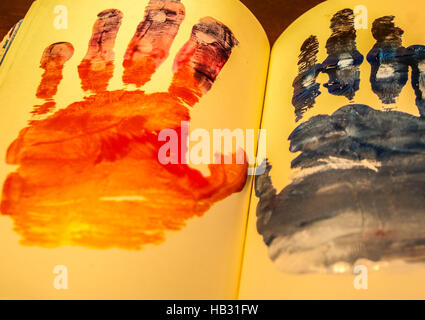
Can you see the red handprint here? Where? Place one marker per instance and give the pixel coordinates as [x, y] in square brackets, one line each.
[89, 174]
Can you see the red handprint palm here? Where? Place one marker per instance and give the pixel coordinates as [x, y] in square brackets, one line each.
[89, 174]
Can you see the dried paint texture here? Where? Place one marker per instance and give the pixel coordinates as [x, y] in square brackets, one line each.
[341, 65]
[42, 109]
[306, 89]
[417, 63]
[388, 59]
[358, 193]
[343, 61]
[53, 61]
[209, 39]
[151, 43]
[390, 63]
[97, 67]
[89, 174]
[358, 182]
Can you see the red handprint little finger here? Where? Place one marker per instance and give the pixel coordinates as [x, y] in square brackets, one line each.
[89, 174]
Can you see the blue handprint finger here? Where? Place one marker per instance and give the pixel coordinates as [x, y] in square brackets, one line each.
[389, 60]
[343, 61]
[306, 89]
[417, 62]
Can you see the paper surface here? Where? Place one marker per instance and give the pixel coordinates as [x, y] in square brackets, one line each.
[308, 276]
[202, 260]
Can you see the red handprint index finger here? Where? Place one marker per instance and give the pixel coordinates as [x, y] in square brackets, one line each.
[201, 59]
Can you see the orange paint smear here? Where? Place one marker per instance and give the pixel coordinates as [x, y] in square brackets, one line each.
[139, 72]
[185, 86]
[51, 79]
[89, 175]
[95, 80]
[44, 108]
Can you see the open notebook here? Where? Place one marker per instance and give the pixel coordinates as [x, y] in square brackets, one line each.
[111, 187]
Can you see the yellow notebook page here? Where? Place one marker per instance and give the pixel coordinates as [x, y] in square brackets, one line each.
[300, 265]
[156, 244]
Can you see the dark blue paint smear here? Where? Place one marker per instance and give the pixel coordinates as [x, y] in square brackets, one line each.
[361, 192]
[386, 203]
[305, 87]
[417, 61]
[341, 65]
[389, 60]
[343, 61]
